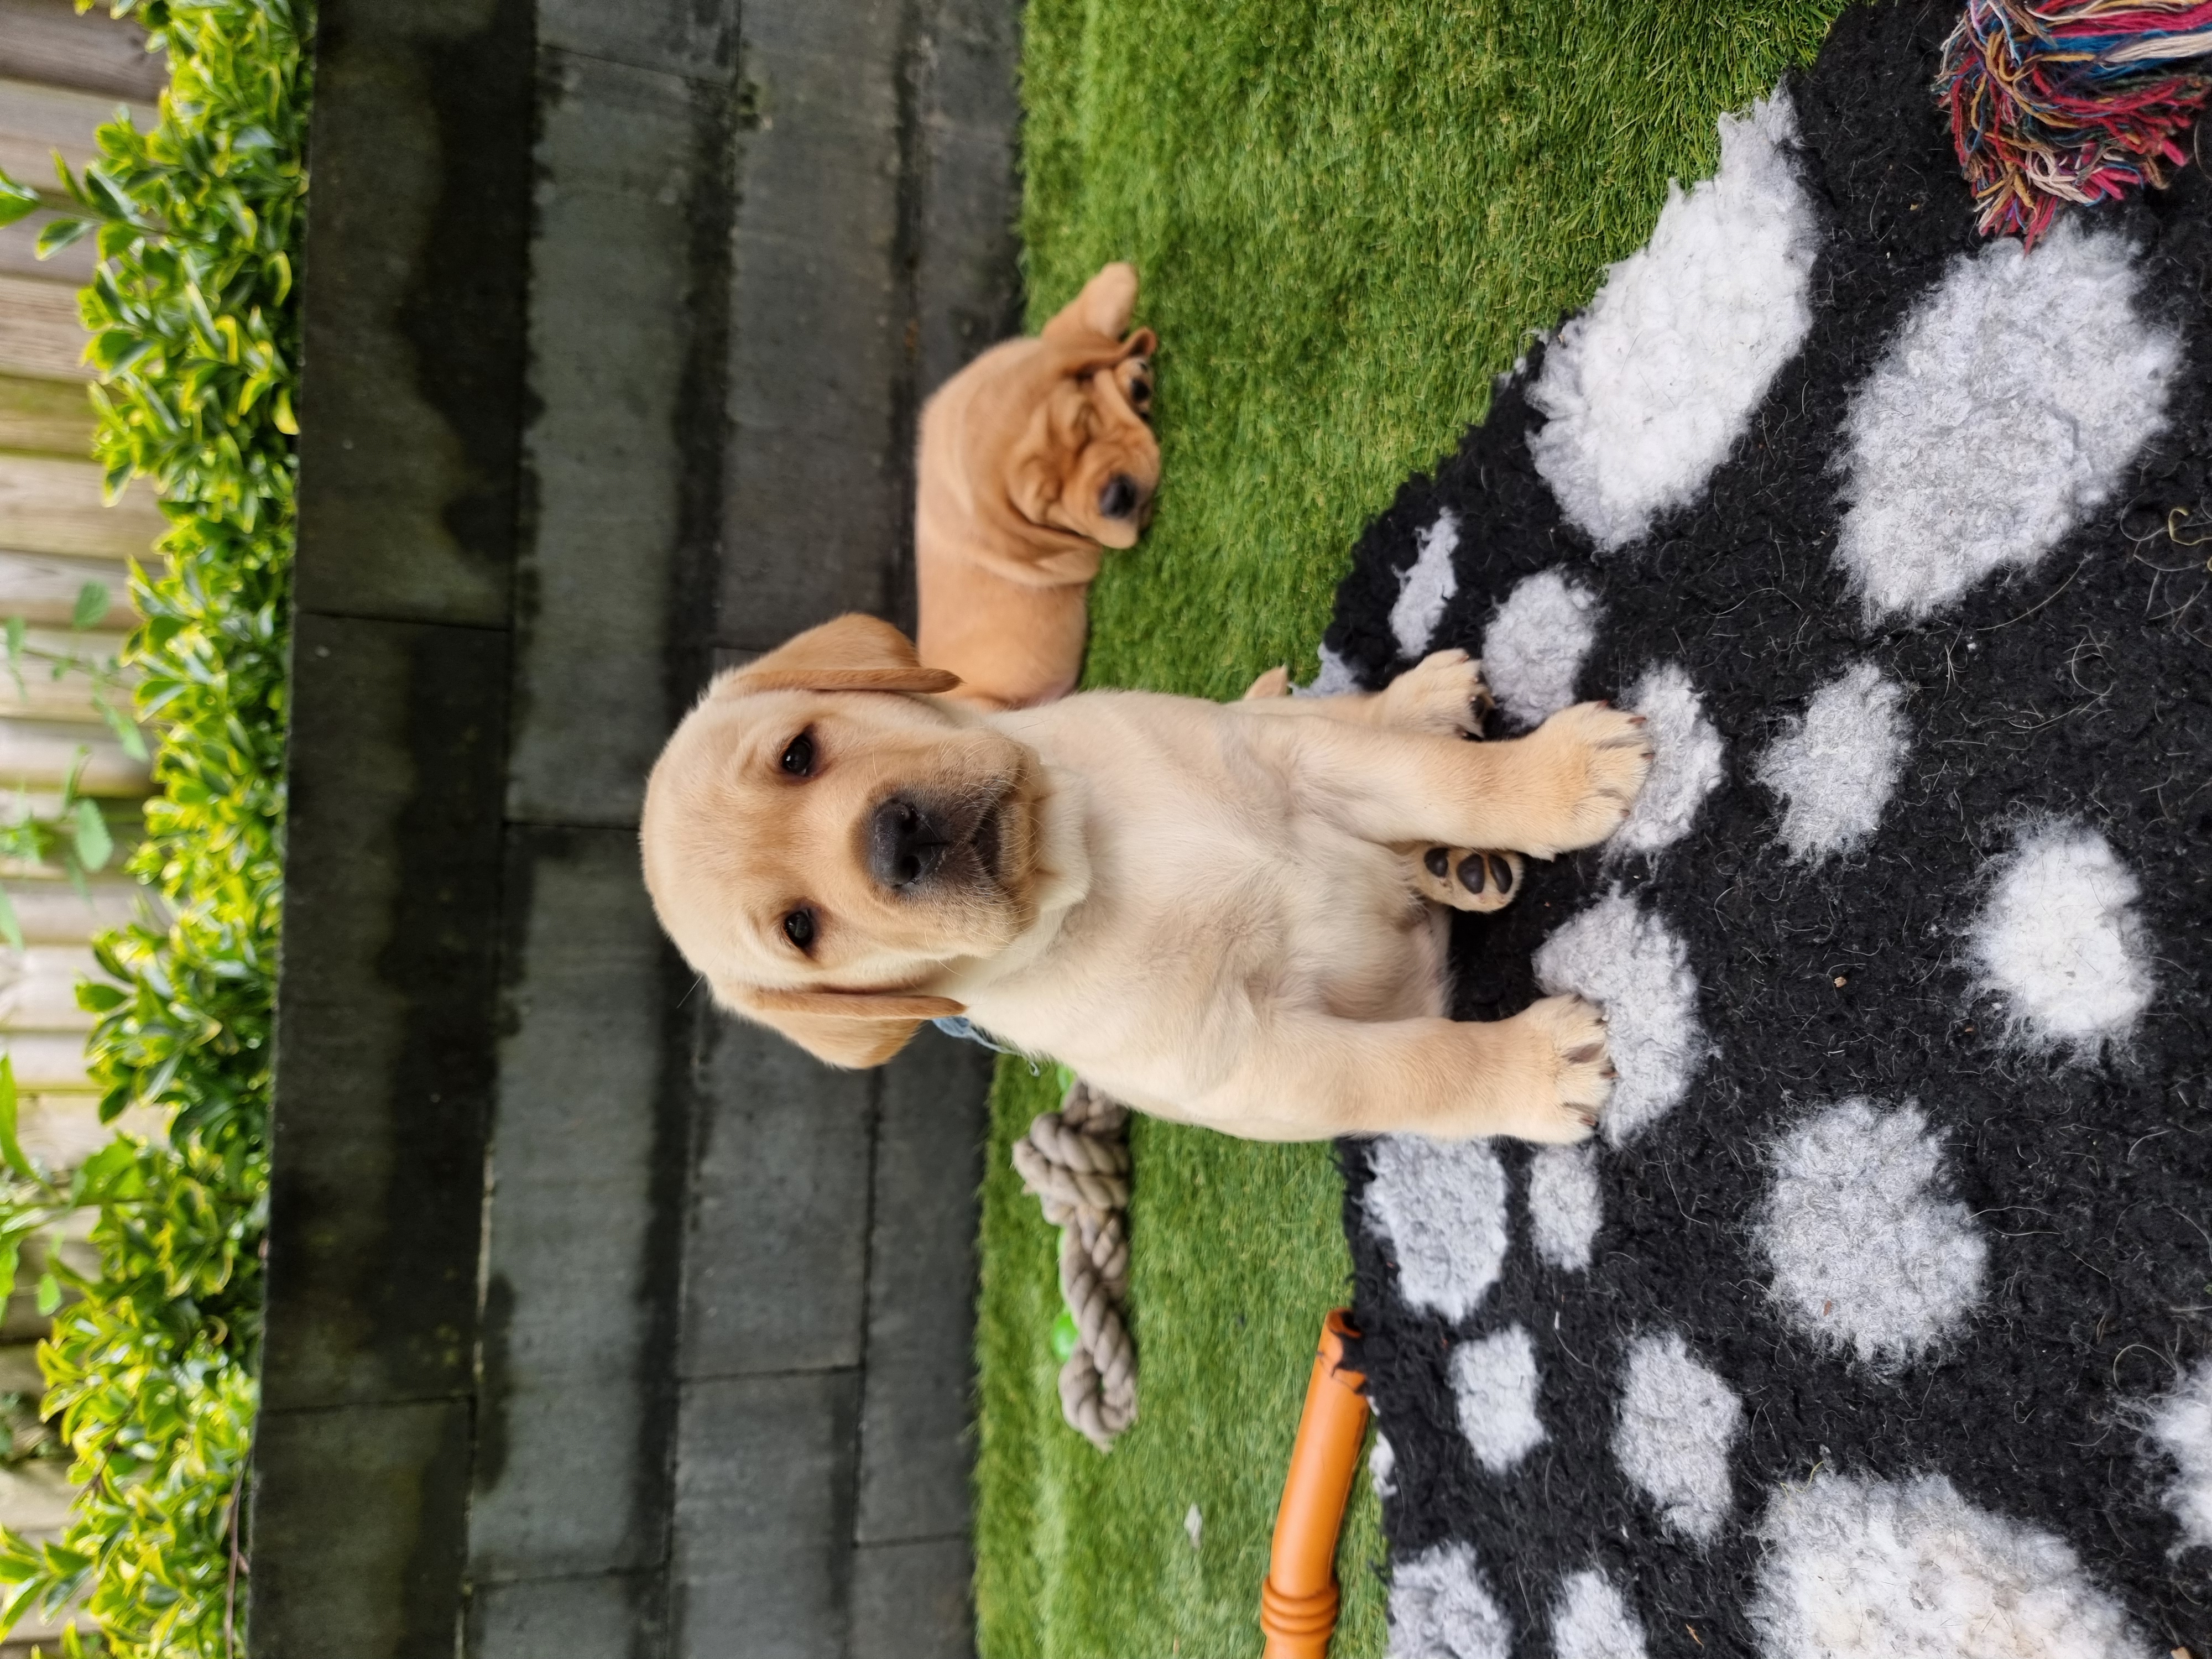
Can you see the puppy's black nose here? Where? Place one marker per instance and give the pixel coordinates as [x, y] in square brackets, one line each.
[903, 845]
[1119, 499]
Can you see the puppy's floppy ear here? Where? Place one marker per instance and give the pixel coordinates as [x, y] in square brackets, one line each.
[1104, 306]
[851, 654]
[1143, 343]
[851, 1028]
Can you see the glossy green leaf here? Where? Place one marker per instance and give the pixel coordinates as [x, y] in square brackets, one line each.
[16, 201]
[10, 1150]
[97, 997]
[107, 1165]
[91, 606]
[59, 234]
[94, 845]
[22, 1602]
[127, 734]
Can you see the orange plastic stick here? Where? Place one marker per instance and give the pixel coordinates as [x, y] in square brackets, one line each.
[1297, 1603]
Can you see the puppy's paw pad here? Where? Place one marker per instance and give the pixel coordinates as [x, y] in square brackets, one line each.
[1477, 881]
[1442, 693]
[1582, 1071]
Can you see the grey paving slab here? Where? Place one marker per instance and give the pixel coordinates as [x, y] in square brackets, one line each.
[605, 1616]
[415, 273]
[822, 514]
[562, 1482]
[912, 1602]
[627, 159]
[967, 275]
[386, 1020]
[917, 1403]
[814, 71]
[357, 1552]
[866, 36]
[820, 388]
[970, 294]
[826, 507]
[589, 1146]
[615, 334]
[764, 1478]
[832, 336]
[969, 58]
[775, 1267]
[694, 38]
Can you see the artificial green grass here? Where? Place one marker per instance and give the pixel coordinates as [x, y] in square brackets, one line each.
[1080, 1554]
[1348, 218]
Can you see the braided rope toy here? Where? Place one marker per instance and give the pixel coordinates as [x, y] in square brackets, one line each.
[1076, 1162]
[2070, 100]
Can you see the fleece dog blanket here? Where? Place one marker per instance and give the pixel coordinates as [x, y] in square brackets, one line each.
[1876, 1321]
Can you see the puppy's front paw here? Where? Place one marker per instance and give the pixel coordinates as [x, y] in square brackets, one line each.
[1572, 1075]
[1442, 693]
[1482, 882]
[1599, 756]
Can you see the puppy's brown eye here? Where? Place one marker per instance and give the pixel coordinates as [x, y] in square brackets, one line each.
[798, 761]
[798, 926]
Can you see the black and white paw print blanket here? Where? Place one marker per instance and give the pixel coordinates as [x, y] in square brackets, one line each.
[1878, 1320]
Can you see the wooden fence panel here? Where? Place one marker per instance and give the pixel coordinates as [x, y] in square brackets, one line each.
[42, 589]
[40, 333]
[48, 417]
[55, 913]
[36, 753]
[37, 988]
[48, 505]
[37, 121]
[19, 252]
[51, 42]
[46, 1061]
[62, 75]
[43, 696]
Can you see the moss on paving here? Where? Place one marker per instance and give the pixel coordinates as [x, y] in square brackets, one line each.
[1348, 218]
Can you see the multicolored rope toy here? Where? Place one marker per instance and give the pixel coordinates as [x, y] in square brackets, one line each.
[2070, 100]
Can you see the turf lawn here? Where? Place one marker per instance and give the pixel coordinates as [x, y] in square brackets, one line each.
[1348, 218]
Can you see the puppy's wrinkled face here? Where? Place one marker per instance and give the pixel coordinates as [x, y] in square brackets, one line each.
[1086, 460]
[853, 840]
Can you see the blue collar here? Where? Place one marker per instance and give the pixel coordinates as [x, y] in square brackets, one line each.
[959, 1025]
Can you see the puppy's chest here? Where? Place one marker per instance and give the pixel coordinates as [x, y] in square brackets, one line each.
[1217, 885]
[1257, 893]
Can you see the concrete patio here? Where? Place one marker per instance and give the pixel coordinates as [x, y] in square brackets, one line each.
[600, 1324]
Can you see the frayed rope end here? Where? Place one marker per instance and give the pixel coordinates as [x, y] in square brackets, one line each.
[2070, 100]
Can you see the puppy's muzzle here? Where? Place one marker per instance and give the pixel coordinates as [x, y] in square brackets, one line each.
[1121, 497]
[905, 845]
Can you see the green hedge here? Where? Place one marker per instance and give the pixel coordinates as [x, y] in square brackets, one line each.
[195, 327]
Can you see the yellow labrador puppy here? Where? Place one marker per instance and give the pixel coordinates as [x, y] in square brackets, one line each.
[1226, 914]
